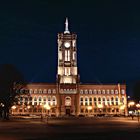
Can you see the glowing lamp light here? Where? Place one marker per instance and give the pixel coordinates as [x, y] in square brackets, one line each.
[100, 106]
[47, 107]
[138, 105]
[131, 103]
[13, 107]
[89, 107]
[122, 107]
[28, 107]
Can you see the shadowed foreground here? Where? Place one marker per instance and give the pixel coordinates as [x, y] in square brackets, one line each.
[70, 128]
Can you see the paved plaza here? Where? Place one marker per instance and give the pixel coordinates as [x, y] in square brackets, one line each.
[89, 128]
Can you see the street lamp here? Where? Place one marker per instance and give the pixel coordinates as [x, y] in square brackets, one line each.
[47, 107]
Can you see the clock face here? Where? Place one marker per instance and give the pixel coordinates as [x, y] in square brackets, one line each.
[67, 44]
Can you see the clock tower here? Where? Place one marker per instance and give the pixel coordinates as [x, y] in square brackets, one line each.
[67, 71]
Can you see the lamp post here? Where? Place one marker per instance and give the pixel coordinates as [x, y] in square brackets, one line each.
[47, 107]
[138, 106]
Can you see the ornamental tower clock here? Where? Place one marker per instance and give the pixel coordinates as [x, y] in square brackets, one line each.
[67, 57]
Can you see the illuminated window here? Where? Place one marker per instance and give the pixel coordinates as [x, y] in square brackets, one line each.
[108, 101]
[103, 91]
[99, 91]
[44, 91]
[30, 91]
[53, 100]
[116, 91]
[104, 100]
[68, 101]
[35, 91]
[67, 55]
[123, 91]
[81, 91]
[112, 91]
[112, 100]
[40, 91]
[99, 100]
[81, 101]
[116, 99]
[35, 100]
[49, 91]
[44, 100]
[40, 100]
[49, 100]
[95, 91]
[86, 91]
[86, 101]
[108, 91]
[54, 91]
[90, 91]
[90, 101]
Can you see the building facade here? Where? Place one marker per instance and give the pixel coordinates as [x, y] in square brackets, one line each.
[68, 96]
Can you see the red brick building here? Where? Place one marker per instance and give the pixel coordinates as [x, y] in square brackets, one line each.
[68, 96]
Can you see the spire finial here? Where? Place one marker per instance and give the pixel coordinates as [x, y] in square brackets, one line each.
[66, 27]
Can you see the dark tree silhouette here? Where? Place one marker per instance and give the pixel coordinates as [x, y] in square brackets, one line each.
[136, 91]
[11, 80]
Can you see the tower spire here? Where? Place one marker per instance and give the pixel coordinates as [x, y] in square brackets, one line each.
[66, 27]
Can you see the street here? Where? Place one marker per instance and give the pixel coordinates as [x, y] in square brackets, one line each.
[116, 128]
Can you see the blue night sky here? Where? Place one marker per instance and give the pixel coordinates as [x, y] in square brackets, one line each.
[108, 39]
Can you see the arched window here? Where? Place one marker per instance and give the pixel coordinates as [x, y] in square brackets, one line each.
[112, 100]
[95, 91]
[40, 91]
[44, 100]
[123, 100]
[49, 100]
[81, 91]
[103, 91]
[86, 91]
[35, 100]
[30, 100]
[116, 91]
[30, 91]
[49, 91]
[116, 100]
[81, 101]
[86, 101]
[35, 91]
[104, 100]
[95, 101]
[99, 100]
[45, 91]
[53, 100]
[123, 91]
[90, 91]
[108, 91]
[90, 101]
[112, 91]
[108, 100]
[54, 91]
[40, 100]
[26, 100]
[99, 91]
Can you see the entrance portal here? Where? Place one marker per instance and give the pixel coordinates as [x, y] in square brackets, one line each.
[67, 111]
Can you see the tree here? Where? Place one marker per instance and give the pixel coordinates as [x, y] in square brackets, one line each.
[11, 80]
